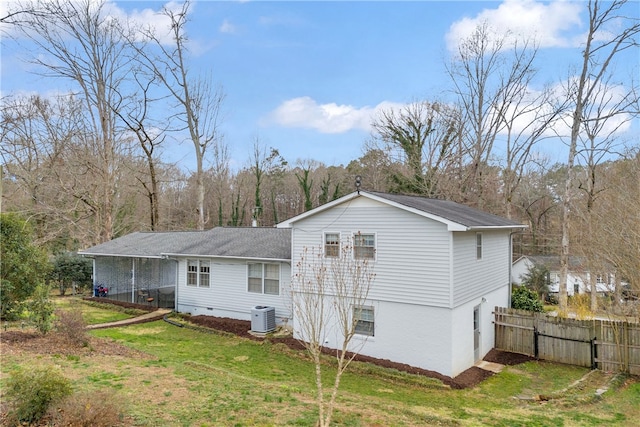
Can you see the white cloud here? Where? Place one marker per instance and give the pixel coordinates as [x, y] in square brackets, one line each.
[305, 112]
[546, 23]
[227, 27]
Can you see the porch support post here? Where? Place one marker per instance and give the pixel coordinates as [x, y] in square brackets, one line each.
[133, 280]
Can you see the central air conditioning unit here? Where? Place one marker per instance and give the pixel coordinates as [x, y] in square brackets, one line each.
[263, 319]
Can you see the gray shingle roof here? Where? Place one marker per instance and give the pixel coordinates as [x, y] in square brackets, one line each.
[552, 262]
[452, 211]
[236, 242]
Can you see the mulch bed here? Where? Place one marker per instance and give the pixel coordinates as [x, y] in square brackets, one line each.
[469, 378]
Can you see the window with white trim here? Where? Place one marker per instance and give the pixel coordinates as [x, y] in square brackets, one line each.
[363, 317]
[192, 272]
[198, 273]
[263, 278]
[205, 272]
[332, 245]
[364, 245]
[478, 245]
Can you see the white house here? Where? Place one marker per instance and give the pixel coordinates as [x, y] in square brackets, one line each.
[440, 267]
[578, 275]
[225, 271]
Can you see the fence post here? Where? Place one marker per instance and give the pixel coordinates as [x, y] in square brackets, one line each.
[594, 353]
[535, 342]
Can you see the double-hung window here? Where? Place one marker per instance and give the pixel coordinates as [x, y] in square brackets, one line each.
[198, 273]
[478, 245]
[364, 246]
[332, 245]
[364, 320]
[263, 278]
[205, 272]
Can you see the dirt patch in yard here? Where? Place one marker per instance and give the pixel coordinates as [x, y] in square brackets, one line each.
[506, 358]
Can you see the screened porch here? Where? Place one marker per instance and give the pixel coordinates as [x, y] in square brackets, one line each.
[148, 281]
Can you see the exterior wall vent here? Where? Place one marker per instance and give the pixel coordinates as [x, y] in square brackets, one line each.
[263, 319]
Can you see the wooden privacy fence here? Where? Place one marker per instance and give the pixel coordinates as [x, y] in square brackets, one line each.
[599, 344]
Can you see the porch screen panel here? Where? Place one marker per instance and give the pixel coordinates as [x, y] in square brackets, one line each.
[113, 272]
[154, 273]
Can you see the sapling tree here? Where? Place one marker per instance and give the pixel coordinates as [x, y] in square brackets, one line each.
[330, 290]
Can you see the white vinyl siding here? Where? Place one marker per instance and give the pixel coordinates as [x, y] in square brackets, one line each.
[473, 279]
[227, 295]
[411, 252]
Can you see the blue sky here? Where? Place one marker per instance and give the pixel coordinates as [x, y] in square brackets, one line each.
[307, 77]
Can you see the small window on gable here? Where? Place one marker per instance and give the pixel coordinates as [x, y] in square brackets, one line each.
[364, 246]
[332, 245]
[364, 320]
[478, 245]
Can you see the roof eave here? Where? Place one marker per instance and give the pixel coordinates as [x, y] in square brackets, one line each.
[178, 255]
[83, 253]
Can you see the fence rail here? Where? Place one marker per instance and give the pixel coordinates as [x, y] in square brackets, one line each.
[602, 344]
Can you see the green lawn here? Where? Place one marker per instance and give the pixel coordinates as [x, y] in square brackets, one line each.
[193, 378]
[94, 312]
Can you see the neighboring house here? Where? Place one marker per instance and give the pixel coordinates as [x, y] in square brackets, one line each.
[221, 272]
[578, 275]
[440, 267]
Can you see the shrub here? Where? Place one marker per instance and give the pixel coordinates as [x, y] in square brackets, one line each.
[22, 265]
[71, 325]
[523, 298]
[32, 391]
[100, 409]
[71, 270]
[41, 309]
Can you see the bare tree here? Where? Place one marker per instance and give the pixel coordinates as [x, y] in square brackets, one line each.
[197, 98]
[329, 292]
[490, 74]
[608, 35]
[374, 167]
[134, 112]
[221, 176]
[77, 41]
[605, 113]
